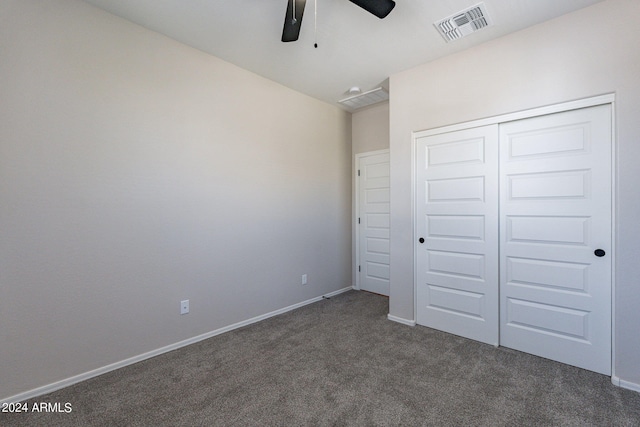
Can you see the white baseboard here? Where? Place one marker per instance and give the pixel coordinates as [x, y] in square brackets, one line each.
[401, 320]
[625, 384]
[49, 388]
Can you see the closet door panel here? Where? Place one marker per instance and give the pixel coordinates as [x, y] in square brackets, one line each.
[457, 228]
[555, 214]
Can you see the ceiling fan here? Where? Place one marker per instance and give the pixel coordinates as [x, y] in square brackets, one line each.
[295, 10]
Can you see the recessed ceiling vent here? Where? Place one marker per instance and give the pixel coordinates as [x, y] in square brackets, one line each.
[464, 22]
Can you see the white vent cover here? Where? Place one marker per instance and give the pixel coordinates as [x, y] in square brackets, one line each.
[366, 98]
[464, 22]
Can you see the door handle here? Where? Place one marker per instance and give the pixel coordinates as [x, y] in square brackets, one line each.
[599, 253]
[421, 240]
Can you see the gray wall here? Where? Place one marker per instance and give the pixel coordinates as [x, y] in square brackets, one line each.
[369, 132]
[586, 53]
[370, 128]
[136, 172]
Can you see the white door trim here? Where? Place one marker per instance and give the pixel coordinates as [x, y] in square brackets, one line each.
[524, 114]
[356, 164]
[539, 111]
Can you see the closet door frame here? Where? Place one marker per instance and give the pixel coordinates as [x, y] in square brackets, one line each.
[525, 114]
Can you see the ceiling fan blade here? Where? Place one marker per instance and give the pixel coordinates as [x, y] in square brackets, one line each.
[292, 24]
[380, 8]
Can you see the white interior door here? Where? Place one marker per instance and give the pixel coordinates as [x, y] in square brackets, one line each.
[555, 218]
[373, 227]
[457, 228]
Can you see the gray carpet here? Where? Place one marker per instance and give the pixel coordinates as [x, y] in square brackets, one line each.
[340, 362]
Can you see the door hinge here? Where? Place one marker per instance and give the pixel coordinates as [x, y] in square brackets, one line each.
[359, 269]
[358, 220]
[358, 172]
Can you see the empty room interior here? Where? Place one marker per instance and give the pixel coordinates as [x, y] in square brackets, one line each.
[173, 173]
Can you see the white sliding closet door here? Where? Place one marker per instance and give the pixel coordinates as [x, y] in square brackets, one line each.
[537, 276]
[555, 226]
[457, 233]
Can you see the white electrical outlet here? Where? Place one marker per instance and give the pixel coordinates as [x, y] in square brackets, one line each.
[184, 306]
[304, 279]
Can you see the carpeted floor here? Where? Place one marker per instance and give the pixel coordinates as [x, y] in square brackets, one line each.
[340, 362]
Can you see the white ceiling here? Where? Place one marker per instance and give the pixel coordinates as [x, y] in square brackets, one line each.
[354, 47]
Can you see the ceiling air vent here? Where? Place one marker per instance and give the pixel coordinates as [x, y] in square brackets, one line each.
[364, 99]
[464, 22]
